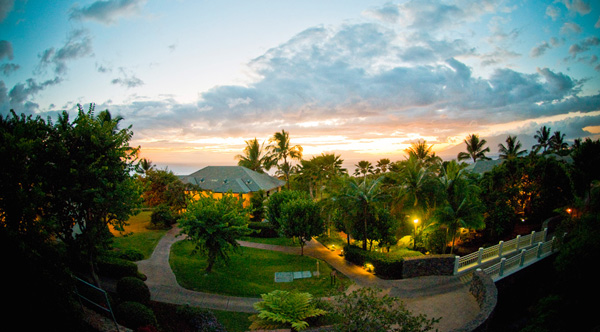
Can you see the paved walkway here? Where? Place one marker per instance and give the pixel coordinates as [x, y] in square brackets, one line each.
[444, 297]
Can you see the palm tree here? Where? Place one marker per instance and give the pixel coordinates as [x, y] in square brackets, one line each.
[253, 157]
[280, 149]
[363, 167]
[145, 165]
[422, 153]
[557, 143]
[542, 136]
[462, 207]
[362, 197]
[512, 149]
[383, 165]
[475, 149]
[416, 183]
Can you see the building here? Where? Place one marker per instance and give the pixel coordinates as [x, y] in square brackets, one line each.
[239, 180]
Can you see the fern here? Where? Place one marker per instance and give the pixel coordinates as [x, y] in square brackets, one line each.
[284, 309]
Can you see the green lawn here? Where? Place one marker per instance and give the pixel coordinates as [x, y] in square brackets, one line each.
[280, 241]
[251, 272]
[138, 235]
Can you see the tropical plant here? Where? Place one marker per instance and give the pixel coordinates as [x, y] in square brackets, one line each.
[363, 168]
[275, 204]
[512, 149]
[557, 143]
[279, 151]
[365, 309]
[214, 226]
[145, 165]
[361, 198]
[253, 157]
[284, 309]
[422, 152]
[542, 136]
[475, 149]
[382, 165]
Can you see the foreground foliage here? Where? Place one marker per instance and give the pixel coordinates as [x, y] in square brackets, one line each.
[284, 309]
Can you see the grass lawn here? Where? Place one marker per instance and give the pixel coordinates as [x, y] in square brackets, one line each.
[138, 235]
[251, 272]
[280, 241]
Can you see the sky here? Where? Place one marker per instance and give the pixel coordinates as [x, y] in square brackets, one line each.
[362, 79]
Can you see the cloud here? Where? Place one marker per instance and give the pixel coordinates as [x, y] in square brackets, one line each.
[9, 68]
[578, 6]
[389, 13]
[5, 7]
[6, 50]
[78, 45]
[569, 27]
[583, 46]
[128, 81]
[107, 11]
[20, 96]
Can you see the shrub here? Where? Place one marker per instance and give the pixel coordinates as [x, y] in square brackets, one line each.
[131, 255]
[284, 309]
[116, 267]
[201, 320]
[135, 315]
[263, 229]
[133, 289]
[163, 217]
[385, 266]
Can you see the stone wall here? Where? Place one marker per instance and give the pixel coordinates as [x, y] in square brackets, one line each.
[485, 292]
[429, 265]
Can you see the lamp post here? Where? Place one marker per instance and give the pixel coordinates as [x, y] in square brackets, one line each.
[415, 237]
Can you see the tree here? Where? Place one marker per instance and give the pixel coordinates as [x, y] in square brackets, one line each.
[462, 207]
[90, 178]
[257, 205]
[362, 199]
[363, 168]
[512, 149]
[214, 225]
[557, 143]
[281, 308]
[366, 310]
[254, 158]
[145, 165]
[382, 165]
[280, 149]
[422, 152]
[301, 218]
[542, 136]
[162, 187]
[586, 163]
[475, 149]
[275, 205]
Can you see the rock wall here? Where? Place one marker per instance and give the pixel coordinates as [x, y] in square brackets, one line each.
[429, 265]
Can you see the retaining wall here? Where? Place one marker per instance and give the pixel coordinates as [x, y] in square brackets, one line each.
[429, 265]
[485, 292]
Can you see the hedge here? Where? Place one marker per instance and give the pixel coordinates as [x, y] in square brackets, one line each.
[114, 267]
[263, 229]
[384, 265]
[202, 320]
[135, 315]
[131, 289]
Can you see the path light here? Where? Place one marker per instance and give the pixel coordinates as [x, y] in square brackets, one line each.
[369, 267]
[416, 221]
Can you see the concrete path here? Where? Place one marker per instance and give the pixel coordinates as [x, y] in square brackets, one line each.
[444, 297]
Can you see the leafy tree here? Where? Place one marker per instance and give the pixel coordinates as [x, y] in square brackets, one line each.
[90, 178]
[257, 205]
[280, 149]
[275, 205]
[542, 136]
[586, 163]
[422, 152]
[214, 225]
[283, 309]
[512, 149]
[364, 168]
[254, 158]
[162, 187]
[145, 165]
[319, 172]
[365, 310]
[301, 218]
[475, 149]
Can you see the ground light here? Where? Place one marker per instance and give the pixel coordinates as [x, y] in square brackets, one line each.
[369, 267]
[416, 221]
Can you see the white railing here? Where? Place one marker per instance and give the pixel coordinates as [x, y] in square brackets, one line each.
[507, 266]
[477, 258]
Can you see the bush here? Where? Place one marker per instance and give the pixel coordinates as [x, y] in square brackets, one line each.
[131, 255]
[163, 217]
[263, 230]
[135, 315]
[131, 289]
[114, 267]
[385, 266]
[202, 320]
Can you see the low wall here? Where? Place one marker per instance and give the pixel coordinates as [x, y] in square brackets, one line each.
[485, 292]
[429, 265]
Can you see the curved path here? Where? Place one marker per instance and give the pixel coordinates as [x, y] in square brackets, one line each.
[444, 297]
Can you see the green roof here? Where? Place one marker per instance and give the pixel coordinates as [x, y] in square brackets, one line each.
[237, 179]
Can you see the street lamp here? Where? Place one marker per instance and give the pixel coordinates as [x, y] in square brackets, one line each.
[415, 237]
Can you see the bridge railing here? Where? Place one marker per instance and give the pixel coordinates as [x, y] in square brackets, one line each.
[510, 265]
[477, 258]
